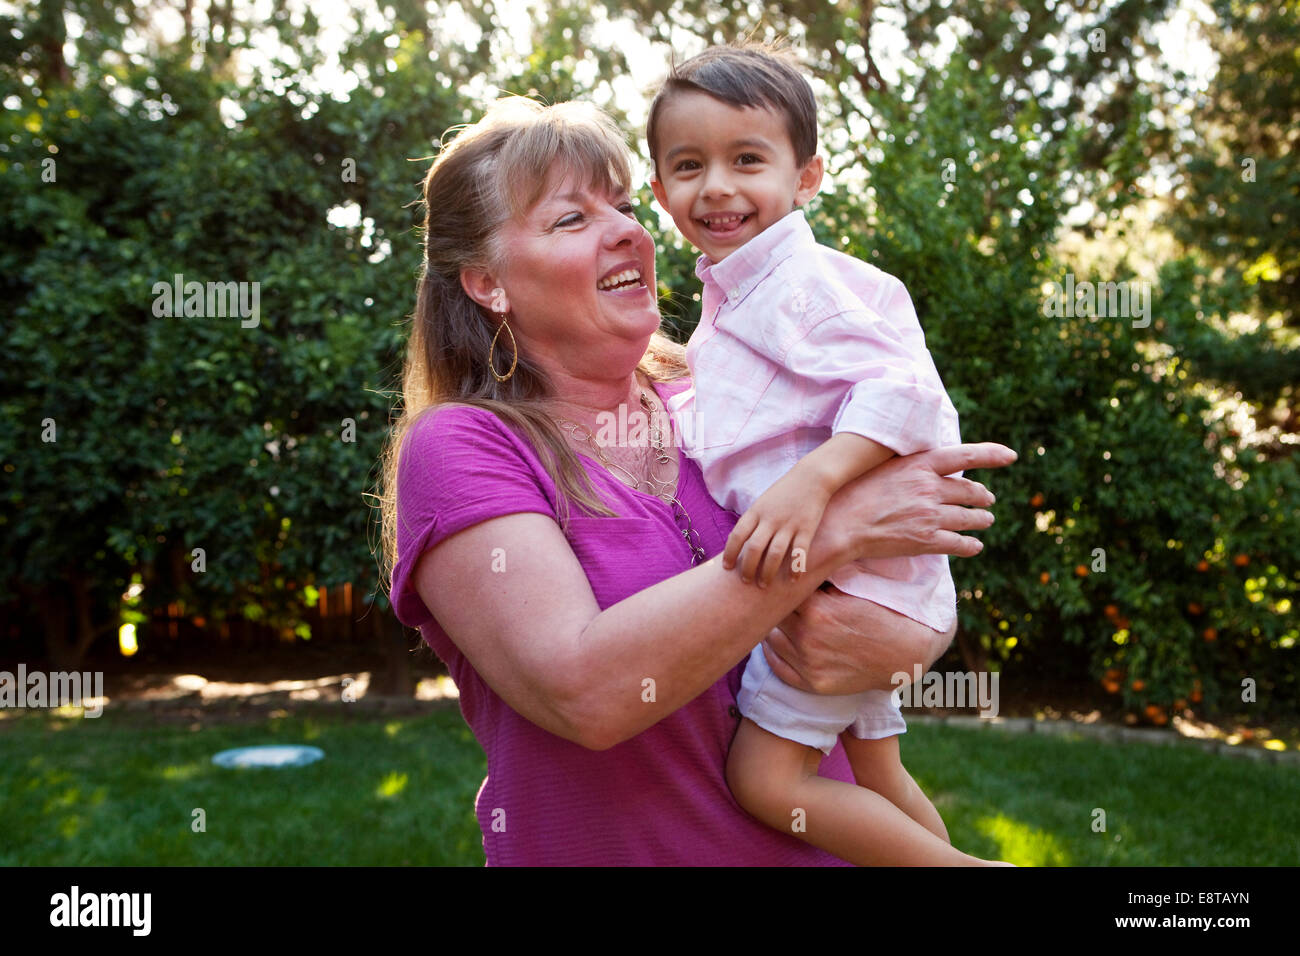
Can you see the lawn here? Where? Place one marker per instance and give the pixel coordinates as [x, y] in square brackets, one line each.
[112, 791]
[400, 790]
[1034, 799]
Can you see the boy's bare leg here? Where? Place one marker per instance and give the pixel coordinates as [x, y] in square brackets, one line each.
[775, 780]
[877, 766]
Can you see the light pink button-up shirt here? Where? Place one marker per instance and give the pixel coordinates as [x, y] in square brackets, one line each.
[797, 342]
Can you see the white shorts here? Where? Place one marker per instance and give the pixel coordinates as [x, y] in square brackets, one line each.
[815, 720]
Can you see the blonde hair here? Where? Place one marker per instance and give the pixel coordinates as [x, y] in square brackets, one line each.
[492, 172]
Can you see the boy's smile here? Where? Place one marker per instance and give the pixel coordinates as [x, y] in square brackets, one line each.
[726, 173]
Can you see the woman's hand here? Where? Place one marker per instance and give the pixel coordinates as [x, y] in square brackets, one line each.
[908, 507]
[835, 643]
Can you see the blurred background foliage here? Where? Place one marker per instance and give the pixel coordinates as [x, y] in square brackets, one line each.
[1146, 540]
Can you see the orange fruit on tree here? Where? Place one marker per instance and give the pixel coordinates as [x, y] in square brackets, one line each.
[1111, 610]
[1112, 686]
[1195, 608]
[1180, 704]
[1241, 560]
[1196, 696]
[1037, 500]
[1138, 685]
[1123, 623]
[1044, 577]
[1210, 634]
[1081, 570]
[1202, 565]
[1160, 719]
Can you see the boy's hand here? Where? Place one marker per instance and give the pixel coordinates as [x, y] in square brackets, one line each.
[784, 516]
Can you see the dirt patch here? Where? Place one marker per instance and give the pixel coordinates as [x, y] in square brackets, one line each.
[253, 687]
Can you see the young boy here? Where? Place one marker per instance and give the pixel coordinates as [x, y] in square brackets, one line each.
[809, 369]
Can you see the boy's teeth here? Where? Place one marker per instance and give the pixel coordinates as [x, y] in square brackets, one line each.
[629, 275]
[723, 220]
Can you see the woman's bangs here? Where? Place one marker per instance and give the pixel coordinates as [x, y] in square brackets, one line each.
[584, 149]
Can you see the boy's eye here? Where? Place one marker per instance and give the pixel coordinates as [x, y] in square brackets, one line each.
[747, 158]
[685, 166]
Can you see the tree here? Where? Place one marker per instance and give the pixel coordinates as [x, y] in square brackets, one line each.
[222, 459]
[1237, 206]
[1138, 536]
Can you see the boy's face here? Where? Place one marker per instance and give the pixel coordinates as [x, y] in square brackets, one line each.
[726, 173]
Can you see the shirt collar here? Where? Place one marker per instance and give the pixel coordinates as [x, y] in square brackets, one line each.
[738, 274]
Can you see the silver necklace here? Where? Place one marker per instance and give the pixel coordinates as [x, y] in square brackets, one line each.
[652, 484]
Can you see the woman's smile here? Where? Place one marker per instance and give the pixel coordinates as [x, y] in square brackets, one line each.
[623, 280]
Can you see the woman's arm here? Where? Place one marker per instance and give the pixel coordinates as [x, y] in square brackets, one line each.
[537, 636]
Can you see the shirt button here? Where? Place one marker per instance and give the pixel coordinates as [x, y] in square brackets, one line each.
[734, 294]
[734, 711]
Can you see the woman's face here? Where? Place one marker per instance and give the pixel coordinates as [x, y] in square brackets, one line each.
[578, 272]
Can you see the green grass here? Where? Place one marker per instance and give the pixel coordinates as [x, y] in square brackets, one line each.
[400, 790]
[109, 791]
[1032, 799]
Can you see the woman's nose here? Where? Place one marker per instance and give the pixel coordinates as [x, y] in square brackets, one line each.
[625, 228]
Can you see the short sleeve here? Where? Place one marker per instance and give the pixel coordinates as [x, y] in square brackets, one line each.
[458, 466]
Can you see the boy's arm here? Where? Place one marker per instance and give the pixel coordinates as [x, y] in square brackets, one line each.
[786, 516]
[840, 459]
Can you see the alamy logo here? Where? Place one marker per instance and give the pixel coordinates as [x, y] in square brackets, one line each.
[216, 300]
[636, 429]
[102, 909]
[952, 690]
[1113, 300]
[56, 689]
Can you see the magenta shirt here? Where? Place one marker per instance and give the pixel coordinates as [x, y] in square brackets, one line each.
[658, 799]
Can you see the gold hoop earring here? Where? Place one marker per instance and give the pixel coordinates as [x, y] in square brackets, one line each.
[513, 347]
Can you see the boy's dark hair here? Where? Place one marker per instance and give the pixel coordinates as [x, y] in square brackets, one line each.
[751, 74]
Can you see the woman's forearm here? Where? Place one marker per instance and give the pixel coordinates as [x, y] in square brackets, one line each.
[653, 652]
[537, 636]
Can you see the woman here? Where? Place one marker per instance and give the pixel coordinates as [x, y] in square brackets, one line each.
[570, 581]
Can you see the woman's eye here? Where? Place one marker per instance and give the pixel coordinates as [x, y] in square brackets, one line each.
[627, 209]
[570, 219]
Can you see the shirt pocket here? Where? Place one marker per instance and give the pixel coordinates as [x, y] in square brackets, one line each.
[727, 392]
